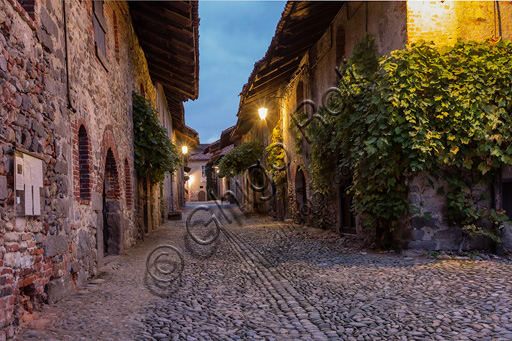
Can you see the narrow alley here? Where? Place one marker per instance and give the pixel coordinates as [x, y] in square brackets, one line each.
[262, 280]
[255, 170]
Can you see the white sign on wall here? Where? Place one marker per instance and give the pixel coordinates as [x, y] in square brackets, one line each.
[28, 178]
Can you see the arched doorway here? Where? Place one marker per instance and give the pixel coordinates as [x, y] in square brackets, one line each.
[112, 218]
[300, 192]
[201, 196]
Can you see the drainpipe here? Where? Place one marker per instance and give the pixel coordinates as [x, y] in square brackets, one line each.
[499, 16]
[70, 103]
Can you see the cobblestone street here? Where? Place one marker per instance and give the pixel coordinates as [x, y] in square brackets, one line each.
[260, 280]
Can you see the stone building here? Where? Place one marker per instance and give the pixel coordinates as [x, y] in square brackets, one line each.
[67, 72]
[218, 186]
[196, 184]
[310, 41]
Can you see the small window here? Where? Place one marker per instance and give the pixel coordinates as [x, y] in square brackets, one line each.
[100, 29]
[203, 171]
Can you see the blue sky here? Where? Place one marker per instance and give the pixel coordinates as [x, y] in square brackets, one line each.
[233, 35]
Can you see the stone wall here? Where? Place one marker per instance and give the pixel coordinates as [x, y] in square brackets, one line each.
[393, 24]
[436, 233]
[387, 22]
[45, 257]
[446, 21]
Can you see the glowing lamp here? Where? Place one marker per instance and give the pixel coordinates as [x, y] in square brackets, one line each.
[184, 149]
[262, 112]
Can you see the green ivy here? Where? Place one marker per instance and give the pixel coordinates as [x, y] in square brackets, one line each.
[240, 158]
[155, 154]
[275, 158]
[443, 110]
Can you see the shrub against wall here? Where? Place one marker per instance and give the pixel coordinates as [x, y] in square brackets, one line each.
[155, 154]
[240, 158]
[444, 110]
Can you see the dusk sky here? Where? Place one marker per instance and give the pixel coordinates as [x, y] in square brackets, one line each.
[233, 35]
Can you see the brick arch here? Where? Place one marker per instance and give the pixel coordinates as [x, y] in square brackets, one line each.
[82, 162]
[109, 149]
[111, 174]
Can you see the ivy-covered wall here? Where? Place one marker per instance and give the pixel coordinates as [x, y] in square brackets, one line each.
[393, 24]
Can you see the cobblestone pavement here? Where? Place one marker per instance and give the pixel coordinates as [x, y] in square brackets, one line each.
[263, 280]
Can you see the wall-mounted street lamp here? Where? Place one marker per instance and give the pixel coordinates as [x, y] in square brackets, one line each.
[262, 112]
[184, 150]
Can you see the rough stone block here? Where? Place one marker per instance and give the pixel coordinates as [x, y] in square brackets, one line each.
[45, 39]
[81, 278]
[21, 120]
[452, 234]
[507, 238]
[36, 126]
[413, 252]
[62, 209]
[74, 267]
[417, 234]
[3, 63]
[11, 237]
[83, 244]
[48, 24]
[55, 245]
[58, 289]
[61, 167]
[39, 238]
[113, 206]
[97, 201]
[423, 245]
[420, 222]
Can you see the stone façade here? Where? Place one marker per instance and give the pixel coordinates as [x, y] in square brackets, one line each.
[52, 84]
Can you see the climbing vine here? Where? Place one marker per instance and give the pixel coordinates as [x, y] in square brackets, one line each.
[275, 158]
[442, 110]
[155, 154]
[240, 158]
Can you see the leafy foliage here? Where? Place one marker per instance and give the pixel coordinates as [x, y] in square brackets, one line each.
[240, 158]
[275, 157]
[443, 110]
[298, 119]
[155, 154]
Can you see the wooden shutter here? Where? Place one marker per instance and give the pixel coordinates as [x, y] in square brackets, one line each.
[100, 28]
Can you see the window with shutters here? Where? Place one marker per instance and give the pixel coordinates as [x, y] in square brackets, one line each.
[100, 29]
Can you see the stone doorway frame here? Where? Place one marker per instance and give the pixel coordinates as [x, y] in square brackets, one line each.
[114, 218]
